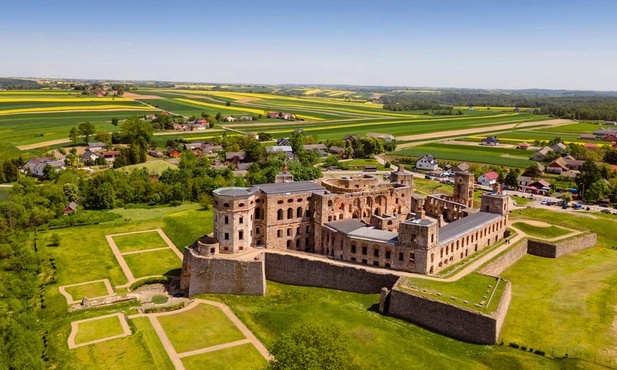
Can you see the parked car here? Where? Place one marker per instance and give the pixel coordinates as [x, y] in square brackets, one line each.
[577, 206]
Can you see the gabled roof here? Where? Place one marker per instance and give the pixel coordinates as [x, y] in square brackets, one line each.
[279, 148]
[232, 155]
[491, 175]
[428, 157]
[97, 144]
[559, 162]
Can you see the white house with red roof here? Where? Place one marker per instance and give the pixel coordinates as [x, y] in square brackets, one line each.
[488, 178]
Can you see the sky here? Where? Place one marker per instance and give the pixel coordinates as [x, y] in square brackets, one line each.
[494, 44]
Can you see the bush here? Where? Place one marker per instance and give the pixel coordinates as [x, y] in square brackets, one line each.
[54, 240]
[174, 307]
[387, 164]
[150, 280]
[175, 203]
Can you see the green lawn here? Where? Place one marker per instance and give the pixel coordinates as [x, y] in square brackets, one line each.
[473, 288]
[360, 163]
[152, 263]
[139, 241]
[141, 350]
[152, 343]
[90, 290]
[201, 327]
[98, 329]
[374, 341]
[243, 357]
[156, 166]
[471, 153]
[548, 232]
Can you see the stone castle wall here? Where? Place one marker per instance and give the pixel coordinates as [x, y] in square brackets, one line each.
[558, 249]
[218, 275]
[447, 319]
[299, 270]
[498, 265]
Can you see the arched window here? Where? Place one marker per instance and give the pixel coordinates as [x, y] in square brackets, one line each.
[279, 214]
[290, 213]
[299, 212]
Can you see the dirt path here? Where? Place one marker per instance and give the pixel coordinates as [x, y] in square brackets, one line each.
[176, 358]
[434, 136]
[120, 255]
[135, 96]
[74, 327]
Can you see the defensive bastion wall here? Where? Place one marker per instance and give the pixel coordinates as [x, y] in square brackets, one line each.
[299, 270]
[558, 249]
[447, 319]
[538, 248]
[222, 275]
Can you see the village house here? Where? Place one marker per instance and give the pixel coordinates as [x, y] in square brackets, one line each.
[36, 166]
[610, 137]
[386, 137]
[523, 146]
[524, 180]
[96, 147]
[156, 153]
[286, 149]
[195, 145]
[461, 167]
[587, 137]
[427, 163]
[488, 178]
[235, 157]
[541, 154]
[110, 155]
[321, 149]
[337, 150]
[230, 119]
[351, 137]
[490, 141]
[559, 148]
[282, 141]
[72, 207]
[173, 153]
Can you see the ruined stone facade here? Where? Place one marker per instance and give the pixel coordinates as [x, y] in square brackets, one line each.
[357, 219]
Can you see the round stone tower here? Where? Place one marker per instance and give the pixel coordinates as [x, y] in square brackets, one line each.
[233, 218]
[463, 188]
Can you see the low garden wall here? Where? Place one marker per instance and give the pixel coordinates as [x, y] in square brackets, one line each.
[560, 248]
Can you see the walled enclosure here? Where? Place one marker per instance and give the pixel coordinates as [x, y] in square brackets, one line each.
[447, 319]
[558, 249]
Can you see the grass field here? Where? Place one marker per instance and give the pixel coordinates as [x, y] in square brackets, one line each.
[471, 153]
[467, 292]
[201, 327]
[156, 166]
[243, 357]
[328, 116]
[374, 341]
[547, 232]
[572, 298]
[98, 329]
[153, 263]
[91, 290]
[139, 241]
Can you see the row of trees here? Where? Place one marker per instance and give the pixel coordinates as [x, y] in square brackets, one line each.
[580, 107]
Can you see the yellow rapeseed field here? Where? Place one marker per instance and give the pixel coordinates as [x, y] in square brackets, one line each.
[60, 100]
[73, 108]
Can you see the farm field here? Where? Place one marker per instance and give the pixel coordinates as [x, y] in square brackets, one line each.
[471, 153]
[44, 117]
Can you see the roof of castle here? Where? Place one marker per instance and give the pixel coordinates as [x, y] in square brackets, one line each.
[289, 187]
[358, 229]
[465, 225]
[233, 191]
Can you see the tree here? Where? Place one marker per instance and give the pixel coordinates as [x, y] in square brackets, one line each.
[134, 128]
[310, 347]
[296, 141]
[596, 191]
[120, 91]
[533, 171]
[566, 197]
[54, 240]
[74, 135]
[114, 121]
[255, 152]
[70, 191]
[512, 177]
[205, 200]
[589, 174]
[264, 136]
[86, 129]
[104, 137]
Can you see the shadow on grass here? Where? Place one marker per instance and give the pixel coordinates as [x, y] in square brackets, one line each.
[174, 272]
